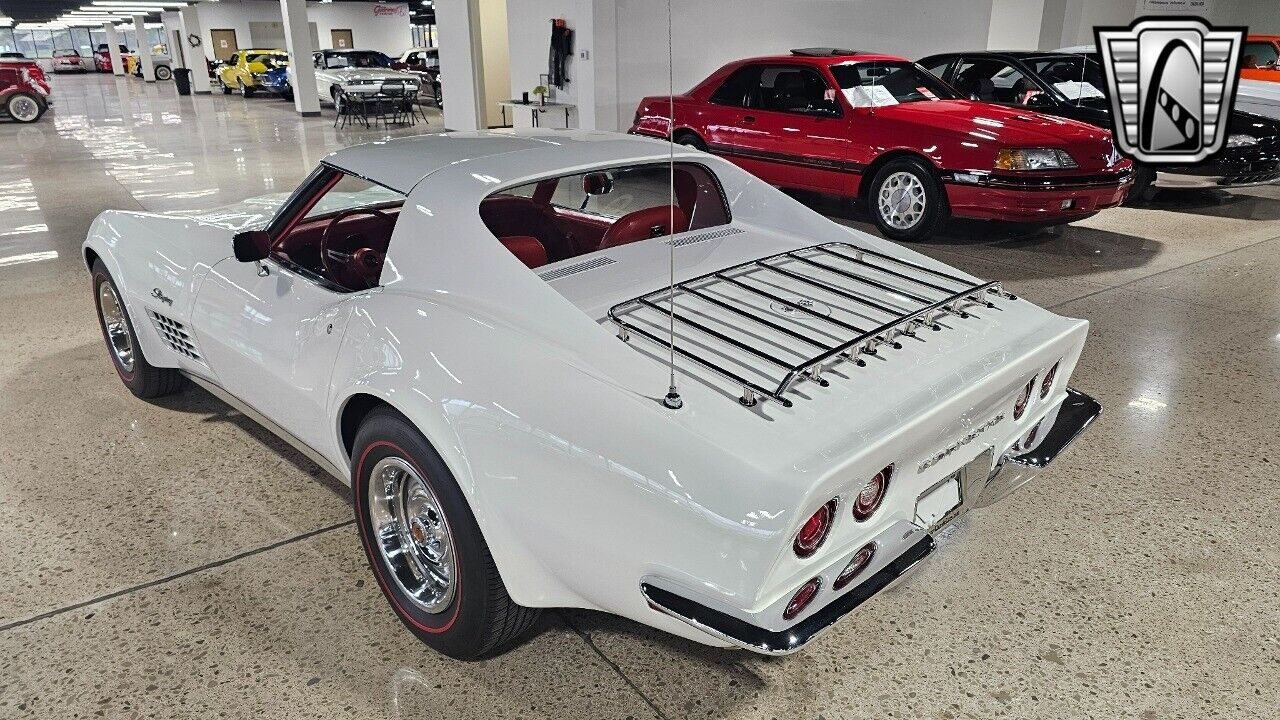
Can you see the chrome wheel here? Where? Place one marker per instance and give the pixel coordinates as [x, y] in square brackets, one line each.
[901, 200]
[412, 534]
[24, 108]
[117, 329]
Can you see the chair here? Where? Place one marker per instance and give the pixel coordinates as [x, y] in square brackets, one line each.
[389, 104]
[351, 107]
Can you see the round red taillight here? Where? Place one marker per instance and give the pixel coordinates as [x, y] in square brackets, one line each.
[860, 561]
[871, 495]
[802, 598]
[1024, 397]
[814, 531]
[1047, 384]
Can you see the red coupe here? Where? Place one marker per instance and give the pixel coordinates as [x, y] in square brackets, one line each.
[24, 94]
[883, 130]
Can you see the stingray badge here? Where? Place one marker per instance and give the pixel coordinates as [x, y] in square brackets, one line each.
[1172, 84]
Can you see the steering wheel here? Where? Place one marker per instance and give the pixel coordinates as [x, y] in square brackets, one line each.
[353, 263]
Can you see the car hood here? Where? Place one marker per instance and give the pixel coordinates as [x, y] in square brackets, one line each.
[1264, 128]
[348, 74]
[1008, 126]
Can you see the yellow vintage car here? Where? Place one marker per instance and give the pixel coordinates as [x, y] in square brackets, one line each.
[242, 71]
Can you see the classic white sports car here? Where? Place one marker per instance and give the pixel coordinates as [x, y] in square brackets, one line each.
[355, 71]
[476, 332]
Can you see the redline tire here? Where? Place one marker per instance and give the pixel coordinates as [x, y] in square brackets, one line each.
[480, 619]
[141, 377]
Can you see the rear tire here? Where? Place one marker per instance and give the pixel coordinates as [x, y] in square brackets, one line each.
[141, 377]
[906, 200]
[163, 72]
[417, 528]
[245, 91]
[690, 139]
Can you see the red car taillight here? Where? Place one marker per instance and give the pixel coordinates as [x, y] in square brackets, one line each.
[814, 531]
[1024, 397]
[1031, 436]
[860, 561]
[871, 495]
[1047, 384]
[802, 598]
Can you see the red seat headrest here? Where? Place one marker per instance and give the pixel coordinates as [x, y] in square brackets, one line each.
[526, 248]
[644, 224]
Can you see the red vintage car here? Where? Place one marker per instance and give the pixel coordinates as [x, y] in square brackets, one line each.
[24, 94]
[882, 130]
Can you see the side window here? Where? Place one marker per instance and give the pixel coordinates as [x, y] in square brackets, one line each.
[939, 67]
[559, 218]
[995, 81]
[1259, 55]
[342, 236]
[796, 89]
[740, 89]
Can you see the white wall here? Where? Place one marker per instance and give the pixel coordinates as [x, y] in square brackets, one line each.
[529, 22]
[385, 29]
[1015, 24]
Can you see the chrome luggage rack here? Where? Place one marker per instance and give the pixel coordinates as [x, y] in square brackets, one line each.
[816, 306]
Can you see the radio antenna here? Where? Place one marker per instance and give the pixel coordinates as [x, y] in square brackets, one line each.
[672, 400]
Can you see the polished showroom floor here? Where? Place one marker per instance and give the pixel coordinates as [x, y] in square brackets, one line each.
[172, 559]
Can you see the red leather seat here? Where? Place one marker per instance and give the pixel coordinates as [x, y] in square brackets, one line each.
[512, 216]
[526, 248]
[644, 224]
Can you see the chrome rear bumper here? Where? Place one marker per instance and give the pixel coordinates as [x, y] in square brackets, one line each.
[1075, 414]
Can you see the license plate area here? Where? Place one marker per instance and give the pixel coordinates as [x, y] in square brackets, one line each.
[939, 504]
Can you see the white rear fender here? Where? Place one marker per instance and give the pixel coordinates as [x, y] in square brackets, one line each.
[580, 486]
[157, 262]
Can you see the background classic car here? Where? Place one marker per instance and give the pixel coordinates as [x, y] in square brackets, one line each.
[22, 97]
[880, 129]
[69, 61]
[245, 70]
[383, 317]
[1071, 85]
[357, 71]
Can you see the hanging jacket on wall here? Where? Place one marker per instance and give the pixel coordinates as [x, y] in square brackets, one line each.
[561, 50]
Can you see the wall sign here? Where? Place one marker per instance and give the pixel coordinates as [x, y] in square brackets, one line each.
[1164, 7]
[390, 10]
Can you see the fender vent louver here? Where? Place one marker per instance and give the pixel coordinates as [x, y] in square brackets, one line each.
[175, 334]
[722, 232]
[576, 268]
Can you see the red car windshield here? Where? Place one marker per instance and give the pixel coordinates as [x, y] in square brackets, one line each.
[880, 83]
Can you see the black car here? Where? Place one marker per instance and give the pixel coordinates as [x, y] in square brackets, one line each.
[1072, 86]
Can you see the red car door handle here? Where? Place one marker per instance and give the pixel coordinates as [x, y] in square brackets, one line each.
[748, 119]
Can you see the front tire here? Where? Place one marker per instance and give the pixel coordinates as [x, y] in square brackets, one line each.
[245, 91]
[24, 107]
[141, 377]
[225, 90]
[164, 73]
[906, 200]
[1143, 189]
[424, 545]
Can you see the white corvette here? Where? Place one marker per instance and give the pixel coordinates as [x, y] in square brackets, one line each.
[475, 332]
[355, 71]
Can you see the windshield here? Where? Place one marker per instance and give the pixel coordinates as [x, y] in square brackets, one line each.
[1072, 77]
[66, 53]
[876, 83]
[268, 59]
[357, 58]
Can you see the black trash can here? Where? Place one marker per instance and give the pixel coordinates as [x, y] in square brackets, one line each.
[182, 80]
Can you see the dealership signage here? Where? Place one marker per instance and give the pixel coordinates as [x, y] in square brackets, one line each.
[390, 10]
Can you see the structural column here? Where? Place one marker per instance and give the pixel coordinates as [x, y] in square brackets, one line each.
[144, 48]
[297, 40]
[461, 64]
[113, 48]
[195, 57]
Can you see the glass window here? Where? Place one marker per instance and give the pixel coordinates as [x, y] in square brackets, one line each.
[794, 89]
[938, 68]
[876, 84]
[358, 58]
[1259, 55]
[995, 81]
[353, 192]
[1072, 78]
[740, 89]
[7, 42]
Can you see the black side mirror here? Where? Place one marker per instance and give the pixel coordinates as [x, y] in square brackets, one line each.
[1039, 100]
[251, 245]
[597, 183]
